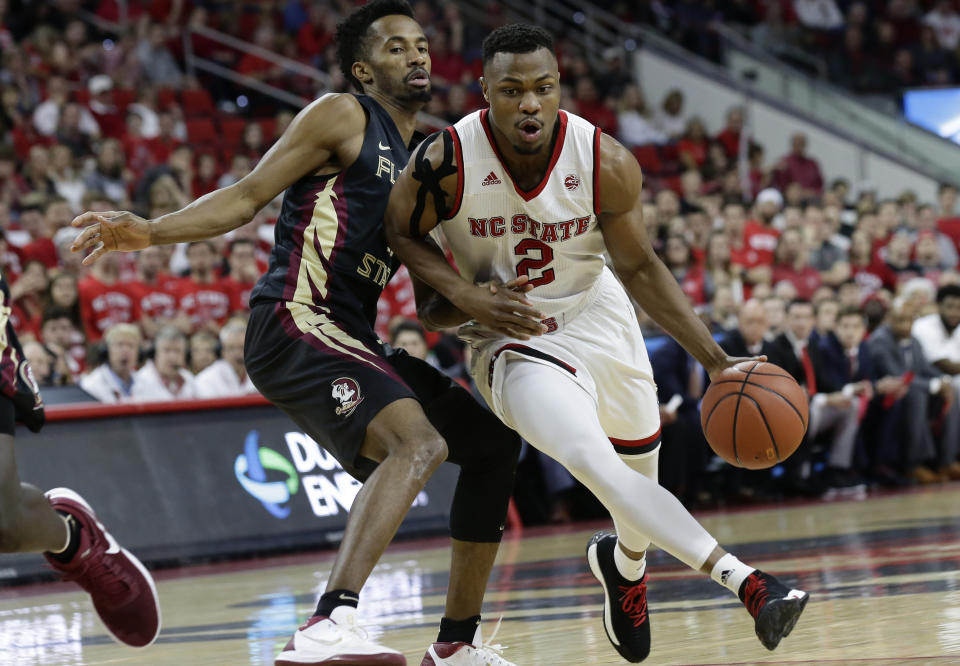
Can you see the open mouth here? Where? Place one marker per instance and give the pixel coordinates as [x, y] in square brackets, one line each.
[530, 129]
[419, 78]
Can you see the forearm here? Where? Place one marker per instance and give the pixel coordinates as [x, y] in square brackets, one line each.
[657, 292]
[437, 313]
[948, 367]
[209, 216]
[428, 265]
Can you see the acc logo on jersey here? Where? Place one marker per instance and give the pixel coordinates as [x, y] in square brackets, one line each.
[347, 392]
[571, 182]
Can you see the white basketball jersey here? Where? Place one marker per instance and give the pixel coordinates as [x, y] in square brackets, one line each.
[550, 233]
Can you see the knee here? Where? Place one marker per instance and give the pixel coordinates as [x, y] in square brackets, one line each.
[423, 453]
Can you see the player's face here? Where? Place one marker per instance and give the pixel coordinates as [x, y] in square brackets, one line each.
[398, 59]
[523, 90]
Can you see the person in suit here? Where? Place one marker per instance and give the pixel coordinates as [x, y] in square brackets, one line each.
[684, 454]
[749, 338]
[907, 383]
[833, 412]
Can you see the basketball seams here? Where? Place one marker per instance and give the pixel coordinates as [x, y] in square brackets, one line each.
[766, 424]
[736, 412]
[766, 388]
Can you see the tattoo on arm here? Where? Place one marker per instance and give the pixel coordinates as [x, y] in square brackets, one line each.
[429, 177]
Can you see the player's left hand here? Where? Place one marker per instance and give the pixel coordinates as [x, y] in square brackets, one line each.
[730, 361]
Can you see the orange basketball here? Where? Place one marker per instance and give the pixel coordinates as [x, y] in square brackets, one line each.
[754, 415]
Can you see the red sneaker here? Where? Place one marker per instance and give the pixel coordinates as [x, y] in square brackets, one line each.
[121, 588]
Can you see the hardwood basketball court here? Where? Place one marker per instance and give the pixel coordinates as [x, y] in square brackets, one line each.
[882, 573]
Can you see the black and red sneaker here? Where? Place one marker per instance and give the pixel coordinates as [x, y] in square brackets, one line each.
[775, 608]
[625, 615]
[121, 588]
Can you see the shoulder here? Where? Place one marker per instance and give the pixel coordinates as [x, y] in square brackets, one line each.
[338, 113]
[620, 179]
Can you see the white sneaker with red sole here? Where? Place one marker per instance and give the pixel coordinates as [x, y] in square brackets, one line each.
[336, 641]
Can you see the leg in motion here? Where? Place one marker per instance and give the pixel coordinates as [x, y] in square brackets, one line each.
[573, 436]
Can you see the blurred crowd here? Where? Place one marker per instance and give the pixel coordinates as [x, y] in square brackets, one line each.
[870, 46]
[857, 296]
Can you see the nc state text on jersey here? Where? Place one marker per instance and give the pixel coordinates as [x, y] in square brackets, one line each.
[548, 232]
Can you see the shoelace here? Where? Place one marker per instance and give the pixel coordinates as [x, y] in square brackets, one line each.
[633, 601]
[100, 574]
[755, 594]
[493, 651]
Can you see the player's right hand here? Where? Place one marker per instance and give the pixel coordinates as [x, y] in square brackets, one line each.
[504, 309]
[109, 231]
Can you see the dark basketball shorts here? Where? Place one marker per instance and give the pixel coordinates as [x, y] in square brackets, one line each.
[328, 382]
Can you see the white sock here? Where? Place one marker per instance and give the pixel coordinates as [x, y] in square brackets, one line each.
[629, 568]
[66, 524]
[731, 572]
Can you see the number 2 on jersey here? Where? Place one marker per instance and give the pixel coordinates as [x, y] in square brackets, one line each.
[523, 249]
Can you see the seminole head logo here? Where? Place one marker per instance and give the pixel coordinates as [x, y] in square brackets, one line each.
[347, 392]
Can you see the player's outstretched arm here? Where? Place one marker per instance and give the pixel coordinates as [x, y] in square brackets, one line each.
[418, 201]
[325, 128]
[647, 279]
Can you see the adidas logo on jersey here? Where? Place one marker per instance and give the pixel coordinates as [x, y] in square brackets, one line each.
[491, 179]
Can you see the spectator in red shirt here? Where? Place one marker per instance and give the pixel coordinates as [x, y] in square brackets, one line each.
[32, 240]
[692, 146]
[689, 275]
[448, 66]
[948, 221]
[166, 140]
[729, 137]
[153, 293]
[253, 145]
[870, 274]
[105, 112]
[201, 296]
[244, 273]
[253, 65]
[792, 266]
[29, 294]
[798, 168]
[317, 33]
[592, 107]
[205, 180]
[104, 300]
[760, 237]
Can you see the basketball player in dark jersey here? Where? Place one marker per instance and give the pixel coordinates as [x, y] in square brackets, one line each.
[389, 419]
[60, 523]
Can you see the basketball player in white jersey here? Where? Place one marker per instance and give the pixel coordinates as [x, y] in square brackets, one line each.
[524, 190]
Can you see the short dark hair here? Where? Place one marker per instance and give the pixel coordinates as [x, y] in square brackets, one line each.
[797, 301]
[241, 241]
[352, 33]
[946, 186]
[850, 311]
[405, 326]
[948, 291]
[516, 38]
[52, 312]
[208, 243]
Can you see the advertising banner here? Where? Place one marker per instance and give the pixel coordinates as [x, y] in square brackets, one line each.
[196, 484]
